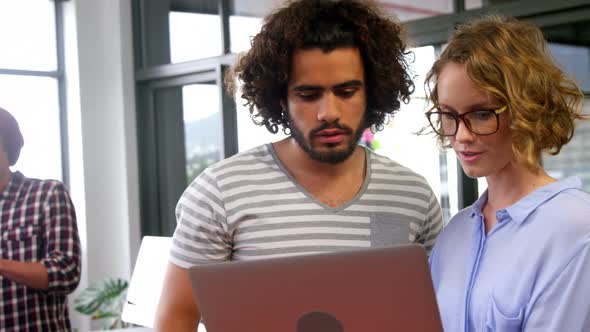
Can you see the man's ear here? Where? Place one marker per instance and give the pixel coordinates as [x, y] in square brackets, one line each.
[283, 105]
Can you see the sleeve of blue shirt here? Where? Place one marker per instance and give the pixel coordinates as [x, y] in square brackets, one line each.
[565, 304]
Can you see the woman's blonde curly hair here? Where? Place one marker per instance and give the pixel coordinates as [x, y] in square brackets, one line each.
[509, 60]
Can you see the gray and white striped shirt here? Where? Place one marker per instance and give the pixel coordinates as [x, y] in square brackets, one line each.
[249, 207]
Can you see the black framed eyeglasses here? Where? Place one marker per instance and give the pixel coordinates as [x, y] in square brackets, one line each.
[479, 122]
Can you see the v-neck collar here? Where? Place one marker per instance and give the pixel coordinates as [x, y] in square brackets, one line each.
[326, 207]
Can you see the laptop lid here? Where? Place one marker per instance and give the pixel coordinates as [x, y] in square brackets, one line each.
[147, 281]
[385, 289]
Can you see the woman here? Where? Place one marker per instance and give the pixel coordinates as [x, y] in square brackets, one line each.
[518, 259]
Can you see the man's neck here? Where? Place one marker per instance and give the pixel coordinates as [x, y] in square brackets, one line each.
[331, 184]
[296, 160]
[5, 176]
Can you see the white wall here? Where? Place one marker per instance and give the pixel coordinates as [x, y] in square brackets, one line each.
[102, 135]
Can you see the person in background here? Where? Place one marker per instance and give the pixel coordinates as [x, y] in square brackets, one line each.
[323, 71]
[518, 259]
[40, 254]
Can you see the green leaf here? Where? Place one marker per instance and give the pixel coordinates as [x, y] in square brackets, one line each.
[102, 298]
[103, 315]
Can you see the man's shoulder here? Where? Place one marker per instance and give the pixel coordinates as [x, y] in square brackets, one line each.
[28, 184]
[257, 159]
[231, 174]
[382, 165]
[253, 155]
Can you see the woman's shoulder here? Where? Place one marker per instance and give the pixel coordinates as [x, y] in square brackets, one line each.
[562, 224]
[570, 207]
[455, 229]
[461, 218]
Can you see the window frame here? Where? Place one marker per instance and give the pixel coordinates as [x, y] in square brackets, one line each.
[59, 76]
[153, 68]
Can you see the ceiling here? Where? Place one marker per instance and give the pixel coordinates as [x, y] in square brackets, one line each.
[405, 10]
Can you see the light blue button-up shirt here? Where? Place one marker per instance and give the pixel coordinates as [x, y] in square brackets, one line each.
[531, 272]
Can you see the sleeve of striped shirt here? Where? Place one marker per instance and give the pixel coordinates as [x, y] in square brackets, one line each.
[432, 224]
[201, 233]
[62, 246]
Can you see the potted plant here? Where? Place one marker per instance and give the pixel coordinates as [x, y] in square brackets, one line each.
[104, 301]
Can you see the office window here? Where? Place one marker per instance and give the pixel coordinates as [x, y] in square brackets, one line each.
[194, 36]
[28, 35]
[33, 102]
[241, 31]
[400, 142]
[29, 83]
[575, 61]
[574, 158]
[202, 127]
[249, 134]
[475, 4]
[405, 10]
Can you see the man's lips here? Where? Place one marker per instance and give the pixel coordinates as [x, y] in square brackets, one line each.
[331, 136]
[331, 132]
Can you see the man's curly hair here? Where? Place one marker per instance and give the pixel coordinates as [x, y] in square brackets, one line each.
[325, 24]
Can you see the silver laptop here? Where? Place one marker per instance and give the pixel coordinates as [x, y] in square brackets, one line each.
[386, 289]
[147, 280]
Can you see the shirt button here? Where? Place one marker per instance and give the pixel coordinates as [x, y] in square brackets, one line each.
[501, 215]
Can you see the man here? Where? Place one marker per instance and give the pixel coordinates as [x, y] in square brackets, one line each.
[324, 71]
[40, 255]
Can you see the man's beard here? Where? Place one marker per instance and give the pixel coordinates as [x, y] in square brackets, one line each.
[330, 157]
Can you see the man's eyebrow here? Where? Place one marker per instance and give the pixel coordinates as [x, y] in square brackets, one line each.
[306, 87]
[347, 84]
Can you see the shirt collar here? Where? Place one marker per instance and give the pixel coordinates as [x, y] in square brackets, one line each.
[13, 186]
[477, 207]
[520, 210]
[524, 207]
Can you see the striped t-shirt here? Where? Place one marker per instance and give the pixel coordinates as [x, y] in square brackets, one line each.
[249, 207]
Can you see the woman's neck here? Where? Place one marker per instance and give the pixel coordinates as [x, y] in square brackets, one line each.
[512, 184]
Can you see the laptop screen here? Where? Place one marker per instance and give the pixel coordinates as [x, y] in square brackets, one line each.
[146, 282]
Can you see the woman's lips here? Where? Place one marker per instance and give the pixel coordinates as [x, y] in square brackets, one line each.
[470, 156]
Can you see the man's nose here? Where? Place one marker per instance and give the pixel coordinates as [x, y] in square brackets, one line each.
[329, 110]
